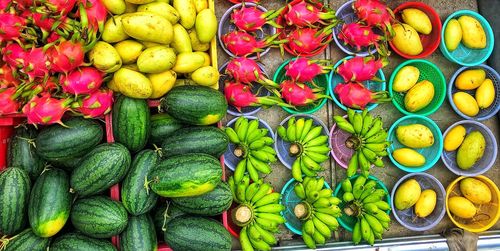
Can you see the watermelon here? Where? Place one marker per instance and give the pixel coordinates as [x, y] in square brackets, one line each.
[131, 122]
[164, 213]
[15, 188]
[197, 233]
[50, 203]
[195, 105]
[79, 242]
[208, 204]
[101, 168]
[186, 175]
[206, 139]
[26, 240]
[139, 234]
[99, 216]
[58, 143]
[136, 198]
[162, 126]
[21, 152]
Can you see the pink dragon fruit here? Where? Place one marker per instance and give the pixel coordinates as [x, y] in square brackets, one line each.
[240, 95]
[252, 18]
[305, 70]
[359, 69]
[59, 7]
[36, 63]
[66, 56]
[11, 26]
[246, 70]
[8, 104]
[359, 36]
[304, 14]
[299, 94]
[8, 77]
[14, 55]
[96, 104]
[96, 13]
[305, 41]
[374, 13]
[83, 80]
[355, 95]
[242, 44]
[45, 110]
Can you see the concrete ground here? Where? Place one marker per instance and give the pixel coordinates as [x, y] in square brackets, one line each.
[444, 117]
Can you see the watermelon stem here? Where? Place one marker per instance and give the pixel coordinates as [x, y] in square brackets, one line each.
[158, 150]
[165, 217]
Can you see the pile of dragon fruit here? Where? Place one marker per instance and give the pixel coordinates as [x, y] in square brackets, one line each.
[43, 72]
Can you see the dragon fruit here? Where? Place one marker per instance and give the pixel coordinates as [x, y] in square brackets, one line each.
[14, 55]
[242, 44]
[8, 104]
[355, 95]
[66, 56]
[305, 41]
[59, 7]
[299, 94]
[252, 18]
[304, 14]
[240, 95]
[305, 70]
[36, 63]
[11, 26]
[96, 104]
[7, 77]
[83, 80]
[359, 69]
[359, 36]
[95, 12]
[45, 110]
[246, 70]
[374, 13]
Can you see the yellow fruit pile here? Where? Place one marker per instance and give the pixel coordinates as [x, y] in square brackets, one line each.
[469, 80]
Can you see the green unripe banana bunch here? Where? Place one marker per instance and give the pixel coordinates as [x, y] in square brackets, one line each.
[308, 144]
[318, 210]
[368, 139]
[258, 212]
[253, 146]
[363, 200]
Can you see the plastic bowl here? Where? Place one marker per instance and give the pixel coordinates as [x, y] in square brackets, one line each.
[341, 153]
[320, 80]
[463, 55]
[336, 79]
[226, 26]
[490, 152]
[487, 214]
[289, 199]
[429, 42]
[346, 221]
[256, 87]
[346, 14]
[229, 158]
[431, 153]
[407, 217]
[483, 113]
[282, 146]
[429, 72]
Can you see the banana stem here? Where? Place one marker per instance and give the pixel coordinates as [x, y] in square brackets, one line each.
[295, 149]
[353, 142]
[240, 151]
[242, 215]
[303, 211]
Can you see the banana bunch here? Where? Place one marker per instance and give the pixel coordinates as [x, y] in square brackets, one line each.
[253, 146]
[368, 140]
[318, 211]
[258, 213]
[307, 144]
[365, 201]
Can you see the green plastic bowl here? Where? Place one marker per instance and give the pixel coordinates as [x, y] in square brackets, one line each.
[348, 222]
[429, 72]
[320, 80]
[463, 55]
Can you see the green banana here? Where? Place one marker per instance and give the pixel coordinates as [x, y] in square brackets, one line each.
[321, 149]
[308, 227]
[320, 183]
[332, 210]
[363, 162]
[239, 121]
[382, 205]
[378, 162]
[367, 123]
[313, 133]
[232, 187]
[299, 127]
[291, 121]
[334, 200]
[239, 171]
[260, 155]
[370, 208]
[377, 147]
[312, 196]
[371, 238]
[231, 134]
[374, 223]
[375, 128]
[270, 208]
[356, 233]
[352, 167]
[365, 229]
[253, 233]
[307, 127]
[246, 245]
[256, 135]
[240, 192]
[311, 185]
[368, 188]
[267, 224]
[264, 189]
[381, 136]
[253, 125]
[271, 217]
[306, 171]
[321, 227]
[251, 190]
[348, 197]
[322, 202]
[382, 216]
[319, 238]
[290, 133]
[241, 130]
[260, 166]
[343, 124]
[271, 198]
[268, 149]
[260, 245]
[346, 185]
[357, 188]
[350, 115]
[329, 220]
[369, 154]
[358, 123]
[282, 133]
[385, 224]
[325, 193]
[257, 144]
[254, 174]
[266, 235]
[318, 141]
[377, 195]
[318, 158]
[309, 241]
[382, 153]
[296, 169]
[310, 163]
[299, 191]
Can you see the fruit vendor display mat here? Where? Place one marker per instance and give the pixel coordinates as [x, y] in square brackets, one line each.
[334, 173]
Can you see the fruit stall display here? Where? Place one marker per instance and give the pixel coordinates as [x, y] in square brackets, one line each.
[115, 132]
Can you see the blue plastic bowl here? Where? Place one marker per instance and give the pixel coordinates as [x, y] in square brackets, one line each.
[463, 55]
[483, 114]
[431, 153]
[289, 199]
[336, 79]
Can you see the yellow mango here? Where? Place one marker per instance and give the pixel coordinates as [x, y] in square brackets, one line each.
[187, 12]
[408, 157]
[206, 75]
[184, 81]
[113, 30]
[452, 34]
[162, 83]
[131, 67]
[151, 44]
[415, 136]
[407, 40]
[200, 5]
[454, 138]
[475, 190]
[426, 203]
[147, 26]
[206, 56]
[473, 35]
[405, 79]
[206, 25]
[111, 85]
[163, 9]
[156, 59]
[418, 20]
[105, 58]
[116, 7]
[471, 150]
[129, 50]
[461, 207]
[132, 84]
[470, 79]
[181, 42]
[419, 96]
[466, 103]
[140, 1]
[196, 44]
[485, 94]
[188, 62]
[407, 194]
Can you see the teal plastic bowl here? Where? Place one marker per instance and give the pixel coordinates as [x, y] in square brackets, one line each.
[289, 199]
[335, 79]
[320, 80]
[429, 72]
[346, 221]
[431, 154]
[463, 55]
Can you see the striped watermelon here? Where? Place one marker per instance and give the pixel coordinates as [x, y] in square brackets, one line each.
[139, 234]
[208, 204]
[80, 242]
[162, 126]
[131, 122]
[164, 213]
[15, 188]
[204, 139]
[21, 152]
[26, 240]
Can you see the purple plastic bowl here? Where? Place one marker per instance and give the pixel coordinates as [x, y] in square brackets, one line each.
[340, 152]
